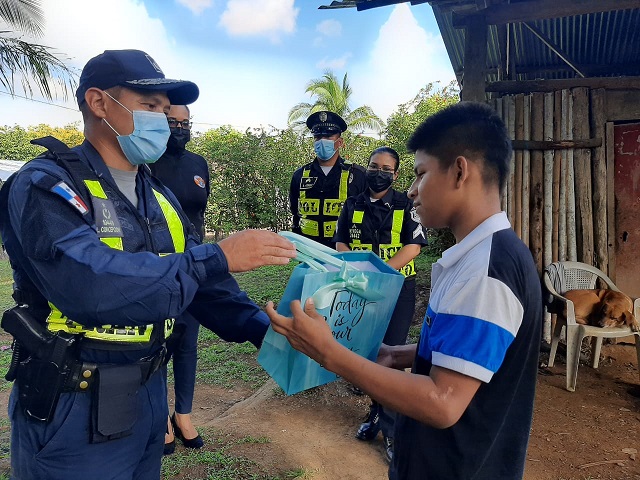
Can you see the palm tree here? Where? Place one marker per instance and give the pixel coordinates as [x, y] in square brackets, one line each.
[331, 95]
[30, 62]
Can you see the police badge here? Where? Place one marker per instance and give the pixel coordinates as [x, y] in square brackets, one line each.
[323, 116]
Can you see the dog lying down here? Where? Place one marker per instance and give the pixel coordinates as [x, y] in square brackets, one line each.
[603, 308]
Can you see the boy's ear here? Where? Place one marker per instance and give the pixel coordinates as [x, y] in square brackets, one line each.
[461, 170]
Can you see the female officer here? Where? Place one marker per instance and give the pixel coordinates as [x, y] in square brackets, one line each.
[384, 221]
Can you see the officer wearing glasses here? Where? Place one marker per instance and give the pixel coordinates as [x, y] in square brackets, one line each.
[319, 189]
[384, 221]
[187, 176]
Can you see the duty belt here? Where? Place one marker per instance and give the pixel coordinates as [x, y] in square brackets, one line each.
[82, 374]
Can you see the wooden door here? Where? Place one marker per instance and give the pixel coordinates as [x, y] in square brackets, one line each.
[627, 207]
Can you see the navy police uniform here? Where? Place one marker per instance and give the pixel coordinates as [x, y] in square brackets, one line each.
[186, 174]
[107, 278]
[96, 266]
[316, 198]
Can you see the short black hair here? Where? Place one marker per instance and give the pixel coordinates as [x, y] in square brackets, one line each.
[470, 129]
[391, 152]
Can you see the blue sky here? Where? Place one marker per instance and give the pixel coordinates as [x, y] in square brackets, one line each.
[252, 59]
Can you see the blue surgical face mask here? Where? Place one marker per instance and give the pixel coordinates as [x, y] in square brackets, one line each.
[325, 149]
[148, 141]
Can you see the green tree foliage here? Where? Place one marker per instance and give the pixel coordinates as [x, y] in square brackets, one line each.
[251, 174]
[330, 94]
[14, 141]
[30, 62]
[402, 123]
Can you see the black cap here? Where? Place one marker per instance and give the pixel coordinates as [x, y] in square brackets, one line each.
[326, 123]
[133, 69]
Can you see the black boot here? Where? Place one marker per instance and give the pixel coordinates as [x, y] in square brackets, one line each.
[371, 426]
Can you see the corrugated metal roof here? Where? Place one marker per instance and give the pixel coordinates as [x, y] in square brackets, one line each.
[602, 44]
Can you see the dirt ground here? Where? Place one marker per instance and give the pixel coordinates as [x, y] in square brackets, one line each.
[592, 433]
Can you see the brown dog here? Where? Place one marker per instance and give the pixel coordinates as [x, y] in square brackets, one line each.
[603, 308]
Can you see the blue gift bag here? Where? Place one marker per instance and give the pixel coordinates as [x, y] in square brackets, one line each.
[356, 292]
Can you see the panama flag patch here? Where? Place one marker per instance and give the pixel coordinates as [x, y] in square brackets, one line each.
[70, 196]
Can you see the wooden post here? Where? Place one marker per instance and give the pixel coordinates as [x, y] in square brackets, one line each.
[548, 180]
[571, 199]
[611, 210]
[582, 168]
[517, 169]
[598, 121]
[564, 169]
[510, 114]
[526, 170]
[557, 163]
[475, 59]
[504, 198]
[537, 174]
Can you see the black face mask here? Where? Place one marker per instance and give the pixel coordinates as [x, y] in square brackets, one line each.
[379, 181]
[178, 139]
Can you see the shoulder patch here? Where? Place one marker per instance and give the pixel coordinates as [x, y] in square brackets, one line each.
[199, 181]
[62, 189]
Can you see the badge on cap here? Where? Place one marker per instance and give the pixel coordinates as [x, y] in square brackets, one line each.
[154, 64]
[323, 116]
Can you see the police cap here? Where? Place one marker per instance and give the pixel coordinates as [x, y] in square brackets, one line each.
[326, 123]
[133, 69]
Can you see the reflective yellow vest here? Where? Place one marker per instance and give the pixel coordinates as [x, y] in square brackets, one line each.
[385, 250]
[56, 321]
[316, 207]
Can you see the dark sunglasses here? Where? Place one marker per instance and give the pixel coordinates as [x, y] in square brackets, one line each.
[173, 123]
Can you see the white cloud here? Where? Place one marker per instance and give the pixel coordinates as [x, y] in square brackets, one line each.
[196, 6]
[78, 30]
[330, 28]
[334, 63]
[403, 59]
[270, 18]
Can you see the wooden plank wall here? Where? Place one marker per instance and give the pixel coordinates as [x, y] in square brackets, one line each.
[557, 196]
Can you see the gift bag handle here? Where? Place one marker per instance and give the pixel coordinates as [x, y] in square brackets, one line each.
[315, 254]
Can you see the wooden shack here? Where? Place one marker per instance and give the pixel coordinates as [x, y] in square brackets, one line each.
[565, 77]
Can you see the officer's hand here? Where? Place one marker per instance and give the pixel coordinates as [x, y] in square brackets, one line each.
[251, 249]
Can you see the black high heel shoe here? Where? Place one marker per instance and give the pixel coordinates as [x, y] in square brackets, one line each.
[187, 442]
[170, 447]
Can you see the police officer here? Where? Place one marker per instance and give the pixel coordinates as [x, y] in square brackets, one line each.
[384, 221]
[319, 189]
[186, 174]
[104, 258]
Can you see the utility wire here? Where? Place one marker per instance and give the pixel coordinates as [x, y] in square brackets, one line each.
[39, 101]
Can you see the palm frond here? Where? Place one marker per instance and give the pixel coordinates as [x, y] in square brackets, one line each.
[364, 118]
[32, 63]
[24, 15]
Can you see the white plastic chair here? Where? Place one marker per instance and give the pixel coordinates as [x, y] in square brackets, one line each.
[560, 277]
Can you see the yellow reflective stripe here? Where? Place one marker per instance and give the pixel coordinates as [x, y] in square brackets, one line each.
[332, 208]
[95, 189]
[113, 242]
[344, 184]
[309, 206]
[358, 215]
[56, 321]
[356, 245]
[176, 229]
[305, 174]
[309, 227]
[329, 229]
[396, 226]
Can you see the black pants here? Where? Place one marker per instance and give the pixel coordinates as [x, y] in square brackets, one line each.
[397, 332]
